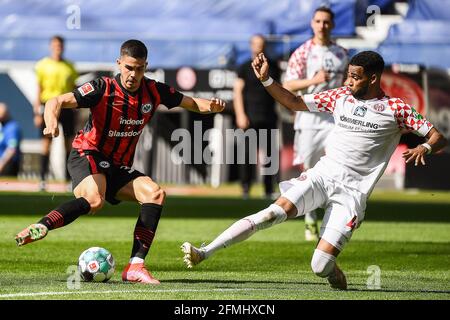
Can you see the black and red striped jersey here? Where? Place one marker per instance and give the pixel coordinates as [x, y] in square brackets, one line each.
[118, 116]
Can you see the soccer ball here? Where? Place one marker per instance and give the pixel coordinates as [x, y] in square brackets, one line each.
[96, 264]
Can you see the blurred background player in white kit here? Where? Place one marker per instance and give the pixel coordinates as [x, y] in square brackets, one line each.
[318, 64]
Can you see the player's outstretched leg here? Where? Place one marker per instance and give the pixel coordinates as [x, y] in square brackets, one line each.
[144, 232]
[311, 226]
[61, 216]
[239, 231]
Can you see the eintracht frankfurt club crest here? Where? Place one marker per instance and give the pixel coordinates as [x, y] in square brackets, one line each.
[146, 108]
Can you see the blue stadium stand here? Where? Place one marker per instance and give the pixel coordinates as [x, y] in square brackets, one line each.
[422, 38]
[385, 6]
[429, 10]
[208, 35]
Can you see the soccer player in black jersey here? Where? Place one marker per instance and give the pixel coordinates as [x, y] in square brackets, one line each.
[102, 153]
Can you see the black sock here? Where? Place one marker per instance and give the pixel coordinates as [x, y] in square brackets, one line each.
[66, 213]
[145, 229]
[45, 158]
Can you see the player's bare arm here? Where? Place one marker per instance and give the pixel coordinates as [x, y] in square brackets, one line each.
[52, 111]
[200, 105]
[285, 97]
[436, 142]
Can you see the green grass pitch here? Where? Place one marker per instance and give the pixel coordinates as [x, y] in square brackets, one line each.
[405, 235]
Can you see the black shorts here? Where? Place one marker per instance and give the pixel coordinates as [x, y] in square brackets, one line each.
[67, 120]
[83, 163]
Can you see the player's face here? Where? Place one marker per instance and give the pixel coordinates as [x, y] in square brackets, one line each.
[322, 25]
[131, 71]
[357, 81]
[56, 48]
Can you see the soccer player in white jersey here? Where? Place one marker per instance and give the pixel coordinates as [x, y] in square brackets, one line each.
[317, 65]
[367, 129]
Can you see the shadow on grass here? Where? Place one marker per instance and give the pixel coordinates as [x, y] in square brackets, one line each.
[306, 283]
[227, 282]
[398, 290]
[208, 207]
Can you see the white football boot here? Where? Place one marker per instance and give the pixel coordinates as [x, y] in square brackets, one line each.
[192, 255]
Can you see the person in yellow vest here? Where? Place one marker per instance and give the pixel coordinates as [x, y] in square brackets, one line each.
[55, 75]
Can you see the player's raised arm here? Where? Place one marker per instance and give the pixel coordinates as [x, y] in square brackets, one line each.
[435, 143]
[282, 95]
[52, 111]
[200, 105]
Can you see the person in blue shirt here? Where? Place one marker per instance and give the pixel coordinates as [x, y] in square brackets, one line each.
[10, 137]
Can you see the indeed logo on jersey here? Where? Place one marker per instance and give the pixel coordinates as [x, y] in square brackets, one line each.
[131, 121]
[361, 123]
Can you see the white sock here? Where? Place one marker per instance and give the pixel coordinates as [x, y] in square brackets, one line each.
[135, 260]
[244, 228]
[322, 263]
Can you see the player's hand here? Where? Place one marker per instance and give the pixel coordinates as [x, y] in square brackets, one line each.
[51, 131]
[417, 155]
[321, 76]
[216, 105]
[242, 121]
[260, 66]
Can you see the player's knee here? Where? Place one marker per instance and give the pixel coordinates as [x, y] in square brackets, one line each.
[322, 263]
[154, 194]
[96, 202]
[160, 196]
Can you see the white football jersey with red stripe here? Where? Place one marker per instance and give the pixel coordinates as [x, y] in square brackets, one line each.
[304, 63]
[365, 135]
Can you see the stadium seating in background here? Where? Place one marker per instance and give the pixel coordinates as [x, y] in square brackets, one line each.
[385, 6]
[422, 38]
[210, 34]
[429, 10]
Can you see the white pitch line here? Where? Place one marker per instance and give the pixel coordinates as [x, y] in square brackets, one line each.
[55, 293]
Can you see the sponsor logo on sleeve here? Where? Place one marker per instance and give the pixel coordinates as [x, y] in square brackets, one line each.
[86, 89]
[416, 114]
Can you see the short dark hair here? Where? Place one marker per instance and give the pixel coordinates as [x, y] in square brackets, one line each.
[371, 62]
[325, 9]
[134, 48]
[57, 38]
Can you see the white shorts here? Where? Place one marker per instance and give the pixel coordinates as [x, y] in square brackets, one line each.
[309, 146]
[344, 207]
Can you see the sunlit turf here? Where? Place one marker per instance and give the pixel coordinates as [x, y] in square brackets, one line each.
[406, 236]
